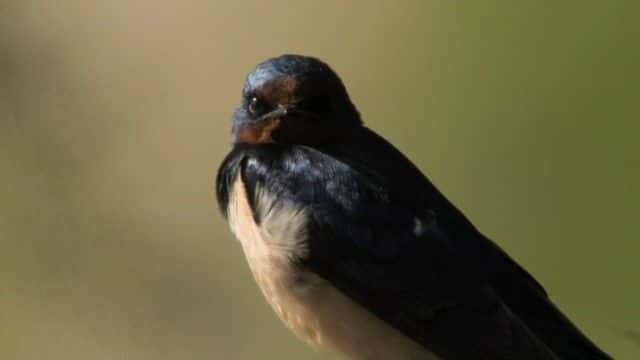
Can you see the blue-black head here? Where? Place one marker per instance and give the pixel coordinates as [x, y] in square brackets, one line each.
[293, 99]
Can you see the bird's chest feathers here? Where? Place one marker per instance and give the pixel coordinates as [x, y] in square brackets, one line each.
[271, 246]
[309, 305]
[279, 238]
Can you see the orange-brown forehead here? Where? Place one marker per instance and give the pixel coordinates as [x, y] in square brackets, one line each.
[282, 91]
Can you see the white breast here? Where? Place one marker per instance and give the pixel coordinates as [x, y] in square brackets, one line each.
[311, 307]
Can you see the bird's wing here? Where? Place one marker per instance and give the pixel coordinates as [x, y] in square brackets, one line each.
[402, 267]
[385, 237]
[414, 260]
[394, 261]
[530, 302]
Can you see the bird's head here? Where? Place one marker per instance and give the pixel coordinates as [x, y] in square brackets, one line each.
[293, 99]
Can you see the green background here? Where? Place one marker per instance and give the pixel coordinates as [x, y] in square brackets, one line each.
[114, 116]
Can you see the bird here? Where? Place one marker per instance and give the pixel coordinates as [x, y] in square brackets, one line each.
[356, 250]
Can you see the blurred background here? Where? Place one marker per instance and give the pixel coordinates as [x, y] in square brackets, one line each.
[114, 116]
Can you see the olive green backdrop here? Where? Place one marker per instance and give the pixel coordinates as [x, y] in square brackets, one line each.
[114, 116]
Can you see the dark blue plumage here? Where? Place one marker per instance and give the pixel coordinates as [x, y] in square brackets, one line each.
[379, 231]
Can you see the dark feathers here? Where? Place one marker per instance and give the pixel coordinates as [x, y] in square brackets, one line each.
[446, 285]
[380, 232]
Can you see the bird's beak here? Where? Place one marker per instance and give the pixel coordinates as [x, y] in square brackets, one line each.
[260, 131]
[279, 111]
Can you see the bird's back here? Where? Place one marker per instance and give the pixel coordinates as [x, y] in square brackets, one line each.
[521, 295]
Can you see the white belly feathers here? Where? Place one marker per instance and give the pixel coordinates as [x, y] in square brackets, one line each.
[310, 306]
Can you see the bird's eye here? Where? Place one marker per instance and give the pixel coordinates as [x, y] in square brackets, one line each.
[257, 106]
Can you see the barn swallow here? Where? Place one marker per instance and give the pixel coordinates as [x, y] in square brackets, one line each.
[356, 250]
